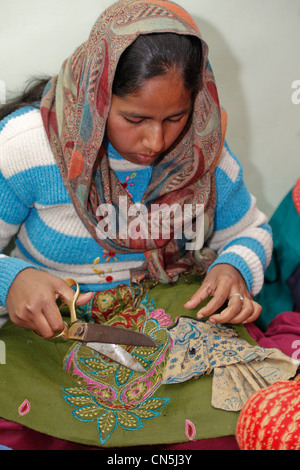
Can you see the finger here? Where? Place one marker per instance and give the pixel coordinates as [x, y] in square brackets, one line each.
[249, 313]
[21, 323]
[200, 295]
[213, 305]
[256, 313]
[219, 297]
[31, 317]
[237, 311]
[44, 329]
[52, 321]
[84, 298]
[63, 290]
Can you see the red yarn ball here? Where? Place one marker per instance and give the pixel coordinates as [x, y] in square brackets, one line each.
[270, 419]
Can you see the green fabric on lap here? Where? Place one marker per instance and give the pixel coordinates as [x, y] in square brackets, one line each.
[34, 371]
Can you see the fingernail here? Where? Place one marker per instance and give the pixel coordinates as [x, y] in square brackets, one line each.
[212, 320]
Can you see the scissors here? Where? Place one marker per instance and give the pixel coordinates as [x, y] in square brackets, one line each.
[104, 339]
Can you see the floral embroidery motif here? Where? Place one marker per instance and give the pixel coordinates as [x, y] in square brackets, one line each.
[88, 409]
[24, 408]
[128, 182]
[109, 255]
[105, 276]
[112, 395]
[190, 430]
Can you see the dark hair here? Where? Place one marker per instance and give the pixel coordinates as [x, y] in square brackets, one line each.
[156, 54]
[148, 56]
[30, 97]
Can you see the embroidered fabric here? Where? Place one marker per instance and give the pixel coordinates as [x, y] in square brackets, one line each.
[108, 393]
[68, 392]
[239, 369]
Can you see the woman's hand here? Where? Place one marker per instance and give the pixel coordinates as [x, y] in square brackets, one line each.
[221, 283]
[31, 301]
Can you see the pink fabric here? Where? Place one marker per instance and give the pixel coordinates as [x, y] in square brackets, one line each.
[283, 333]
[18, 437]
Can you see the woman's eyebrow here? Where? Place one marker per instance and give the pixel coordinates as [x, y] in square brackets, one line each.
[132, 114]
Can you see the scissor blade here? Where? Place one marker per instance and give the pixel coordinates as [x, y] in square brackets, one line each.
[94, 333]
[117, 354]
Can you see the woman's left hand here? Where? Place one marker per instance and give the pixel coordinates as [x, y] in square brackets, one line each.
[222, 283]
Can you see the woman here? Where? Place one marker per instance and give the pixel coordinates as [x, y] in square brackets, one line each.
[156, 114]
[131, 124]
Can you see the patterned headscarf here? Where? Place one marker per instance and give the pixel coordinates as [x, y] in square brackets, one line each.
[75, 107]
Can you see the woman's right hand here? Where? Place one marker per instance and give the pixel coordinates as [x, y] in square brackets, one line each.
[31, 301]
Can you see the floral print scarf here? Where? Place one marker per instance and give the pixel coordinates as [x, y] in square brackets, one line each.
[74, 108]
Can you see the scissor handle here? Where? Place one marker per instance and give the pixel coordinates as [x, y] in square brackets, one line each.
[63, 333]
[71, 303]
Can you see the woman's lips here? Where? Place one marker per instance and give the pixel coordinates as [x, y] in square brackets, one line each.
[146, 158]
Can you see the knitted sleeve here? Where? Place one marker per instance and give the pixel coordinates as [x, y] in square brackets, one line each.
[12, 212]
[13, 208]
[242, 236]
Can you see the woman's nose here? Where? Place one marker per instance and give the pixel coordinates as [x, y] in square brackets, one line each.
[154, 139]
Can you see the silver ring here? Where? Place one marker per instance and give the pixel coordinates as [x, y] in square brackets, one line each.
[238, 295]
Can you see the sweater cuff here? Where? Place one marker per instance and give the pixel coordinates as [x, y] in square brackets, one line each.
[9, 269]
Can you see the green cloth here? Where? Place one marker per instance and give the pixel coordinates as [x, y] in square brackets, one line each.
[34, 372]
[275, 296]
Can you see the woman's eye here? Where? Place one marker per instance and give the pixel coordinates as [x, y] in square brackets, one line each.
[140, 121]
[175, 120]
[133, 122]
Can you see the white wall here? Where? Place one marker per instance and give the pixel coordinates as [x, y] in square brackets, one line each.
[254, 50]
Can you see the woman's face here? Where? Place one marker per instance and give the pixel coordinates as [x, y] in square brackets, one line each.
[144, 124]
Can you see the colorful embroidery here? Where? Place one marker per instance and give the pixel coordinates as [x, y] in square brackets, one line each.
[112, 395]
[24, 408]
[105, 276]
[128, 182]
[109, 255]
[190, 430]
[116, 307]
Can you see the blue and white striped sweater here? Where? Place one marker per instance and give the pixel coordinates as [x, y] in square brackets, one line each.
[35, 206]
